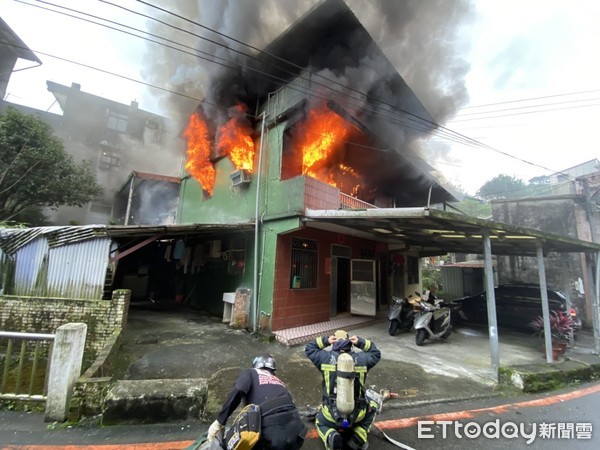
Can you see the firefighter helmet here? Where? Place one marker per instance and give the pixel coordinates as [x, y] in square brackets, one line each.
[264, 361]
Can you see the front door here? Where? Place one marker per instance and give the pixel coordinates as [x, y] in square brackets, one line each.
[363, 287]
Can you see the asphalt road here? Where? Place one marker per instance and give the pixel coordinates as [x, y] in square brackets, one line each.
[557, 420]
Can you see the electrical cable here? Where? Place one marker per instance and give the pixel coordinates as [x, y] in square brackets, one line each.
[443, 133]
[346, 87]
[447, 133]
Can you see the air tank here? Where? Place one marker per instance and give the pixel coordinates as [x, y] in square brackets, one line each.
[345, 384]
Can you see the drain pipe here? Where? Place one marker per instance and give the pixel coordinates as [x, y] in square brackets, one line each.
[256, 223]
[129, 199]
[429, 197]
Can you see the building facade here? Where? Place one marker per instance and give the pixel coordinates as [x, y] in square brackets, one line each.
[308, 152]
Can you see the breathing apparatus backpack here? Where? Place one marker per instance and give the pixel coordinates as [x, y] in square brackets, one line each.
[344, 388]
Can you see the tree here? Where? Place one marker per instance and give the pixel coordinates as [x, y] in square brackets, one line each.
[502, 187]
[474, 207]
[36, 171]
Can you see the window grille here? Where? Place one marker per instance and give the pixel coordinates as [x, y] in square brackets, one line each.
[304, 264]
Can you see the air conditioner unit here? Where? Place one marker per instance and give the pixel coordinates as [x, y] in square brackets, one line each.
[240, 177]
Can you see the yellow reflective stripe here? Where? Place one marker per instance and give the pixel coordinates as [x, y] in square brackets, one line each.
[327, 369]
[361, 415]
[327, 414]
[362, 373]
[361, 433]
[367, 345]
[321, 435]
[320, 342]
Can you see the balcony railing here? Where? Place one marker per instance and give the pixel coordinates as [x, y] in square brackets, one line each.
[349, 202]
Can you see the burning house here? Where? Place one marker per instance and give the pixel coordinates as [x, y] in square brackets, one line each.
[296, 130]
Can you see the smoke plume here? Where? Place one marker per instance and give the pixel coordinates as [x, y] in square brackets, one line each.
[425, 41]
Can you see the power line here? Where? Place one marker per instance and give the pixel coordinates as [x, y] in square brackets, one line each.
[410, 116]
[526, 112]
[475, 143]
[533, 98]
[445, 132]
[448, 134]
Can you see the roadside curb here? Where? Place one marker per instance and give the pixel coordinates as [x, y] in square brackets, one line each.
[536, 378]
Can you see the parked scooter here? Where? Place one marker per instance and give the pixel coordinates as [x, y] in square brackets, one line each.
[432, 319]
[400, 315]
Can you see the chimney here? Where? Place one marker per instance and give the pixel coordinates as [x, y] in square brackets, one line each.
[76, 86]
[134, 104]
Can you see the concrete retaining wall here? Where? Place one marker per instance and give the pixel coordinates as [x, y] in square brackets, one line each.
[155, 401]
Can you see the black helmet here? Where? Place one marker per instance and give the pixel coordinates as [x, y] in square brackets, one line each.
[264, 361]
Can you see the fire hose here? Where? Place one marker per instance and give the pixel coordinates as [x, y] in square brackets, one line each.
[386, 394]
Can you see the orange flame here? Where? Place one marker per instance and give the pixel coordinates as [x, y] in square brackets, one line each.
[235, 139]
[322, 140]
[198, 153]
[325, 133]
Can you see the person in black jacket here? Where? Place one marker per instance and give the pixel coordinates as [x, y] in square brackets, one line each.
[281, 425]
[333, 428]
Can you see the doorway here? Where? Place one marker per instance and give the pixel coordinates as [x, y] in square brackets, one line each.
[343, 285]
[339, 293]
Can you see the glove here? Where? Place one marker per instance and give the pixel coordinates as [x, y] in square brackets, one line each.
[214, 430]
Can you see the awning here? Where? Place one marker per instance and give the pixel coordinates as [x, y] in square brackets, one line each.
[431, 232]
[171, 231]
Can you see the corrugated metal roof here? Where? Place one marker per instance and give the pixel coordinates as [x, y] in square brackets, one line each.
[11, 239]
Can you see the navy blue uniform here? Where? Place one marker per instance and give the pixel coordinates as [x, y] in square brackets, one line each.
[328, 419]
[282, 428]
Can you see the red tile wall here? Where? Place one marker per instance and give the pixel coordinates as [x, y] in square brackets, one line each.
[297, 307]
[320, 195]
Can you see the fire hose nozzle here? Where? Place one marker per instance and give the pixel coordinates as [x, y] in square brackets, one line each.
[387, 394]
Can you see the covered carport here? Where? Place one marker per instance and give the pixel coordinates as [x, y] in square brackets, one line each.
[144, 259]
[434, 232]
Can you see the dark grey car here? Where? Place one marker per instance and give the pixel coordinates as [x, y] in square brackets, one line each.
[516, 306]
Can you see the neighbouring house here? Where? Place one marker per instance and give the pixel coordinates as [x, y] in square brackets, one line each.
[117, 139]
[568, 205]
[146, 199]
[12, 48]
[123, 143]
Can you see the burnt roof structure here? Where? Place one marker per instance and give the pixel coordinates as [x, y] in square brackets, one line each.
[330, 39]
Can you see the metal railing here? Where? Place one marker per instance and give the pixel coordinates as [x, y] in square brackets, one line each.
[25, 371]
[349, 202]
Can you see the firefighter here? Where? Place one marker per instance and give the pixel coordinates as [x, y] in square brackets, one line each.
[343, 380]
[281, 425]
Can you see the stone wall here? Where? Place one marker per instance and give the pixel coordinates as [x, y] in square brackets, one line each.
[45, 315]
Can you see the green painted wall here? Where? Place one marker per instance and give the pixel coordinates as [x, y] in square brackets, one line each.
[280, 206]
[238, 204]
[268, 247]
[227, 205]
